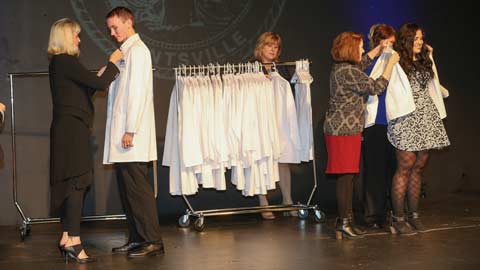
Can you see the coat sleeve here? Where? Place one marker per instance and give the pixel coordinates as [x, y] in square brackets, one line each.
[76, 72]
[139, 85]
[360, 82]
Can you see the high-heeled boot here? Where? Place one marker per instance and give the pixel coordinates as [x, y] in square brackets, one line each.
[74, 251]
[343, 227]
[356, 229]
[414, 220]
[398, 225]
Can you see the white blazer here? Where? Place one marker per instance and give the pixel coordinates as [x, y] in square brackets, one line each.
[399, 99]
[130, 107]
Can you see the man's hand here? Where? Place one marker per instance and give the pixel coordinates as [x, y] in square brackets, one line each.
[127, 140]
[2, 107]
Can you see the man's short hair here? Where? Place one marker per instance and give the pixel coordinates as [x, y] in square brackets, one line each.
[123, 13]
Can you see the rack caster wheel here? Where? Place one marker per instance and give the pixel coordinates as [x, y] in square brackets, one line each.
[302, 214]
[184, 221]
[24, 232]
[199, 224]
[319, 216]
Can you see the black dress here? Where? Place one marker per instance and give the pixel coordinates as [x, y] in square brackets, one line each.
[72, 87]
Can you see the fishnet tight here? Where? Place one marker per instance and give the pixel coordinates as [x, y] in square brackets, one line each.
[407, 180]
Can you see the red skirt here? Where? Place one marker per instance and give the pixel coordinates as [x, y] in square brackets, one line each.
[343, 153]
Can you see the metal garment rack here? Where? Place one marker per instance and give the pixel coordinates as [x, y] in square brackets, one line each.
[25, 226]
[200, 215]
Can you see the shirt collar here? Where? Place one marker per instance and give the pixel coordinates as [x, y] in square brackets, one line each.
[129, 42]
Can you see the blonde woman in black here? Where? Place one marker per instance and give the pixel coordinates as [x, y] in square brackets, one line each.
[71, 163]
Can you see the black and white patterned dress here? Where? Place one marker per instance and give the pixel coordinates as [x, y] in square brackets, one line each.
[423, 128]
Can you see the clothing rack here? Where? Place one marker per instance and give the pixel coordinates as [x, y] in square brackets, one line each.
[25, 226]
[200, 215]
[217, 67]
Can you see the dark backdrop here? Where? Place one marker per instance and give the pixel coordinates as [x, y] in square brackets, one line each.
[199, 32]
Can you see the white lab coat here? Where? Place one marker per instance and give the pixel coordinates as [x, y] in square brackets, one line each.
[399, 98]
[130, 107]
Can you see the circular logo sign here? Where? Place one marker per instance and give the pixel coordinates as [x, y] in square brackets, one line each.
[190, 32]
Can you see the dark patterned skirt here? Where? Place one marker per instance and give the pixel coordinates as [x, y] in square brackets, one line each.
[420, 130]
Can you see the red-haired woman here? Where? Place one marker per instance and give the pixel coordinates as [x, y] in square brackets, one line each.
[345, 119]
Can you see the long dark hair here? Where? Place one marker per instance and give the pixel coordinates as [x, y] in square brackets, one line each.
[404, 46]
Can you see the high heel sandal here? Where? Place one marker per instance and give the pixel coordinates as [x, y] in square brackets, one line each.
[74, 251]
[343, 228]
[61, 248]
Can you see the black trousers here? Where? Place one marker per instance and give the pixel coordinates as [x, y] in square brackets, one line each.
[379, 164]
[138, 202]
[71, 211]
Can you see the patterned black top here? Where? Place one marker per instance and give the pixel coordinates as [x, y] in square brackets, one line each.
[349, 91]
[423, 128]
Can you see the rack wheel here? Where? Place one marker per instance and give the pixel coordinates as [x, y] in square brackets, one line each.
[302, 214]
[184, 221]
[24, 231]
[320, 216]
[199, 224]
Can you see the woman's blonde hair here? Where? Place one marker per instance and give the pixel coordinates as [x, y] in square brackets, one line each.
[265, 39]
[61, 38]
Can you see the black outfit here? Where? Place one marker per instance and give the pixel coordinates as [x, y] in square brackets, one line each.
[71, 211]
[71, 162]
[379, 164]
[138, 201]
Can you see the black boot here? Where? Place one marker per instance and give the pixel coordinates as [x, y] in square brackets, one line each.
[415, 222]
[398, 225]
[343, 228]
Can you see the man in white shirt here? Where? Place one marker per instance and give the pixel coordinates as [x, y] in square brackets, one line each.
[130, 140]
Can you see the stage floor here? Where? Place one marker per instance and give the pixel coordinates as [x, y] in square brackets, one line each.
[247, 242]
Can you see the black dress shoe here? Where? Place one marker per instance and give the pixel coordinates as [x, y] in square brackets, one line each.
[130, 246]
[147, 250]
[375, 226]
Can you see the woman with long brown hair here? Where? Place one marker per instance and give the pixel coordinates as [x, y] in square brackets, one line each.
[416, 132]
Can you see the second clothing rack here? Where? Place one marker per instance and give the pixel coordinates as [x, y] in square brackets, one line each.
[200, 215]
